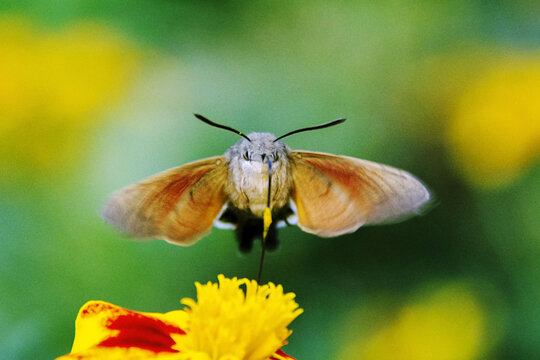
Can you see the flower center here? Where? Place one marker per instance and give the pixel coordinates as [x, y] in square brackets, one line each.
[228, 323]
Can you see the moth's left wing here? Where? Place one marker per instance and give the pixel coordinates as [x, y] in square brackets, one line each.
[336, 195]
[179, 205]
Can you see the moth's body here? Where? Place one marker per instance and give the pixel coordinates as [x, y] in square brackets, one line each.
[247, 188]
[327, 195]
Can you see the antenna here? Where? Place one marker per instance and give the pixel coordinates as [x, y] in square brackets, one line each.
[210, 122]
[322, 126]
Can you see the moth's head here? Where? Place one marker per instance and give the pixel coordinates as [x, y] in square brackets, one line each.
[261, 147]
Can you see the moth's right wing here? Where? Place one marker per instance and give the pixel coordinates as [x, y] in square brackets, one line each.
[336, 195]
[178, 205]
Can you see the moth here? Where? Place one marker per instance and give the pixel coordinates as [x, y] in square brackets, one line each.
[260, 184]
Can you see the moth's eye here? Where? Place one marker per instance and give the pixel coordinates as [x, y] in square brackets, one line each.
[246, 156]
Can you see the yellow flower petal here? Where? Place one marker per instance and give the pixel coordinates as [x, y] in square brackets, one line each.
[113, 332]
[118, 354]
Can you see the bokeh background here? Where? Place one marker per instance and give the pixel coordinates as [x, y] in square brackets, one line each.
[98, 94]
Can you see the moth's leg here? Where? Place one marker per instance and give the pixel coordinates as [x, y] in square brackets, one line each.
[246, 231]
[272, 241]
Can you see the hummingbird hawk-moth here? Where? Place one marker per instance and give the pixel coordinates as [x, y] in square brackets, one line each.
[258, 179]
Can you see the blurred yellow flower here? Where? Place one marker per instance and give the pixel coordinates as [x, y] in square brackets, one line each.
[225, 323]
[54, 87]
[493, 134]
[449, 324]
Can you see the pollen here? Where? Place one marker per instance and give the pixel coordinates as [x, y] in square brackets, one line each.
[267, 218]
[236, 320]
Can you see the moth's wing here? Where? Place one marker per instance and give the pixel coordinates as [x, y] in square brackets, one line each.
[178, 205]
[336, 195]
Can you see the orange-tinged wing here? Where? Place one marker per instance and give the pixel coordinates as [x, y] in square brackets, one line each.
[336, 195]
[178, 205]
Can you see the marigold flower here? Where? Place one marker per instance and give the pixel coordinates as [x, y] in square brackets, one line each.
[225, 323]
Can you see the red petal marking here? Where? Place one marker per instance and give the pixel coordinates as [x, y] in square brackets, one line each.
[281, 353]
[97, 307]
[140, 331]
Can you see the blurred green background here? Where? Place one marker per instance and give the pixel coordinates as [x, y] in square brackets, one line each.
[95, 95]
